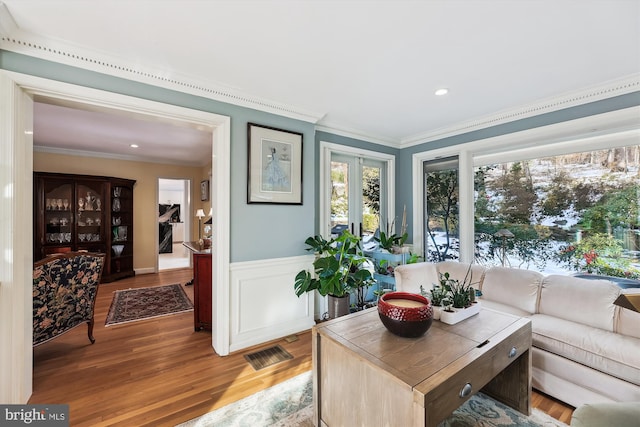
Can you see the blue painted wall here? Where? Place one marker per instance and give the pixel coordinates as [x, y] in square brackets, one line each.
[257, 231]
[273, 231]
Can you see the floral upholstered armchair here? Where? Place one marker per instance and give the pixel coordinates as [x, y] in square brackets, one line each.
[64, 293]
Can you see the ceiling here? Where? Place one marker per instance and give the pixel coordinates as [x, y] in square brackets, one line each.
[360, 68]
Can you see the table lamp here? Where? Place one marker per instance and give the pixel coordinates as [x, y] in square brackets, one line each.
[200, 214]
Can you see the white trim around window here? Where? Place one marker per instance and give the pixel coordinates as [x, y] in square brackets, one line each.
[608, 130]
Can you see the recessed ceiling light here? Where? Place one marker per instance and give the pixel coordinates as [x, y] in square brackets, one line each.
[442, 91]
[134, 146]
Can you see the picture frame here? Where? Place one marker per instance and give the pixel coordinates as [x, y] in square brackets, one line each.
[204, 190]
[274, 170]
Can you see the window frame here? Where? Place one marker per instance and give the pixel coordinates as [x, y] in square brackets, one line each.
[608, 130]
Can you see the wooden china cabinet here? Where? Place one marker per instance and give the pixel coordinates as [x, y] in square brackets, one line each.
[84, 212]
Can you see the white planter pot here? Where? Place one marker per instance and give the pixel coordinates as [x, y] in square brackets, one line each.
[436, 312]
[459, 314]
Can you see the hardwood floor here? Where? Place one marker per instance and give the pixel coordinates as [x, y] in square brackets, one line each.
[160, 372]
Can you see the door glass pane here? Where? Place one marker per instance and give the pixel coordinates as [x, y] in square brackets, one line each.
[370, 201]
[441, 210]
[339, 197]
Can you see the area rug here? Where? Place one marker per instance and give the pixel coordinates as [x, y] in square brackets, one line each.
[130, 305]
[289, 404]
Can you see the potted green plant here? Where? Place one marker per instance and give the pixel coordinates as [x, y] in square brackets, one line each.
[339, 268]
[437, 295]
[458, 297]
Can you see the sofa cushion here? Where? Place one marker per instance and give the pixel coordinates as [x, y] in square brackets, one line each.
[512, 287]
[503, 308]
[460, 270]
[604, 351]
[410, 277]
[589, 302]
[628, 320]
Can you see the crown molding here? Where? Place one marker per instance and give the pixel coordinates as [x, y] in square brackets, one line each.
[110, 156]
[622, 86]
[355, 134]
[13, 39]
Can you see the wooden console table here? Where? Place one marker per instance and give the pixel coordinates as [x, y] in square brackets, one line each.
[201, 285]
[364, 375]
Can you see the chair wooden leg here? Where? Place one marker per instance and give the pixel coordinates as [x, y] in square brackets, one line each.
[90, 330]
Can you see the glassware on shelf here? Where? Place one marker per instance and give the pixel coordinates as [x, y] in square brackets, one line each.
[116, 205]
[117, 249]
[81, 204]
[65, 204]
[115, 220]
[117, 191]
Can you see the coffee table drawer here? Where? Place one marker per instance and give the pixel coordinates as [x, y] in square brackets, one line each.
[446, 391]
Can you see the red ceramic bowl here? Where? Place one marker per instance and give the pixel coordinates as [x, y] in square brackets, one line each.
[405, 314]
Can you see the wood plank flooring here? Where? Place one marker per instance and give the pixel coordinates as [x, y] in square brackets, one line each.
[160, 372]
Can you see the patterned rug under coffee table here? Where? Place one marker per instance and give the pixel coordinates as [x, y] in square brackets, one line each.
[130, 305]
[289, 404]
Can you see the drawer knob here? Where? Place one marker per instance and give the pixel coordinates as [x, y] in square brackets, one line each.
[466, 390]
[513, 352]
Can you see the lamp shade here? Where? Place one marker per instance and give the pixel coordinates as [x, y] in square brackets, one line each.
[200, 213]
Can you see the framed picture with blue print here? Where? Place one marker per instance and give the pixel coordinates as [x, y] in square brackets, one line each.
[274, 165]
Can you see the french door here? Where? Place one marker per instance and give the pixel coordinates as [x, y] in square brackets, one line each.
[358, 195]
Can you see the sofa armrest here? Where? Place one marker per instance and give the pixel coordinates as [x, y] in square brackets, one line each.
[606, 414]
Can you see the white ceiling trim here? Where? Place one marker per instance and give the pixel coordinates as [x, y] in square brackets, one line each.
[602, 91]
[16, 40]
[100, 155]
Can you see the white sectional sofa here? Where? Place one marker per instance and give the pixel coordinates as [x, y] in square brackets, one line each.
[585, 348]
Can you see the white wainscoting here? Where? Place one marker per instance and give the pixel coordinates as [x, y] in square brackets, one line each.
[264, 306]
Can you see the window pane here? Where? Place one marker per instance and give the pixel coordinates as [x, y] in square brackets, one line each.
[339, 197]
[441, 210]
[563, 214]
[370, 200]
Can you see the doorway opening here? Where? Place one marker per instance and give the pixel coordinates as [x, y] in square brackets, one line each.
[173, 223]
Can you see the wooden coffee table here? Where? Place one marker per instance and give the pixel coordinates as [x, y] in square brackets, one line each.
[363, 375]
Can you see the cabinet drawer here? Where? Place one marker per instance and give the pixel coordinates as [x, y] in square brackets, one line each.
[447, 390]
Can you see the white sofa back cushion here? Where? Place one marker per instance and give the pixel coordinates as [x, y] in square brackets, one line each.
[580, 300]
[409, 277]
[512, 286]
[628, 320]
[460, 270]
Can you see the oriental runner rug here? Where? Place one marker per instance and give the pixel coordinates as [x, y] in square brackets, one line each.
[290, 404]
[131, 305]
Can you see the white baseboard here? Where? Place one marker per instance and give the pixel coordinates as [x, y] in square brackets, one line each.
[147, 270]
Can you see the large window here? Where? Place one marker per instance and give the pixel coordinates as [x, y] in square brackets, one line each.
[567, 213]
[571, 213]
[441, 221]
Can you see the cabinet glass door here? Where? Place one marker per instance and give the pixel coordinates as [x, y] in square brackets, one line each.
[58, 218]
[89, 214]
